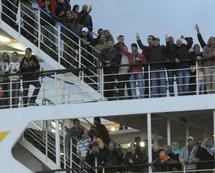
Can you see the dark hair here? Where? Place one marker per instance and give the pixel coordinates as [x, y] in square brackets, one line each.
[29, 49]
[74, 7]
[196, 45]
[15, 53]
[76, 120]
[153, 37]
[134, 45]
[157, 39]
[120, 36]
[97, 119]
[137, 138]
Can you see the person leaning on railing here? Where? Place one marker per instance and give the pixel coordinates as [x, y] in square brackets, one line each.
[13, 68]
[137, 76]
[206, 152]
[187, 155]
[30, 64]
[209, 64]
[183, 64]
[197, 71]
[157, 71]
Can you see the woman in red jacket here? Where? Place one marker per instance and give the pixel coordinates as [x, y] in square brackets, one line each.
[137, 76]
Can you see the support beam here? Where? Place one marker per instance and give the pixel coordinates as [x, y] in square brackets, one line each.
[149, 136]
[168, 132]
[57, 144]
[214, 126]
[187, 131]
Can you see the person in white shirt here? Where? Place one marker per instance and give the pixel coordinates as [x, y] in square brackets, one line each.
[13, 68]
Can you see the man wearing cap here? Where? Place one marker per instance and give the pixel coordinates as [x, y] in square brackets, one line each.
[188, 155]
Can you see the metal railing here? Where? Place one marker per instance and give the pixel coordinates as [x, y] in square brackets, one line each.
[51, 36]
[42, 135]
[143, 168]
[113, 86]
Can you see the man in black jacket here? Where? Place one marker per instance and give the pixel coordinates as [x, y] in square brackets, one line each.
[94, 157]
[102, 131]
[30, 64]
[157, 68]
[112, 157]
[170, 63]
[183, 64]
[199, 36]
[147, 52]
[109, 57]
[86, 21]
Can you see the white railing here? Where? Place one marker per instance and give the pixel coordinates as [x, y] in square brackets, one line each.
[65, 89]
[43, 136]
[52, 37]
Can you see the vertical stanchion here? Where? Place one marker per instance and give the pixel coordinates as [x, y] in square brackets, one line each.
[64, 144]
[11, 93]
[187, 130]
[149, 136]
[149, 81]
[96, 165]
[214, 128]
[197, 78]
[59, 43]
[71, 154]
[1, 10]
[57, 144]
[46, 137]
[102, 83]
[168, 132]
[79, 56]
[19, 18]
[39, 29]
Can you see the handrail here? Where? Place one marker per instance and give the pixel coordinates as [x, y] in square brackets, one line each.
[126, 167]
[61, 71]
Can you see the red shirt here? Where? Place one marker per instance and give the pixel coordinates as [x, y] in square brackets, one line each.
[40, 2]
[133, 58]
[53, 6]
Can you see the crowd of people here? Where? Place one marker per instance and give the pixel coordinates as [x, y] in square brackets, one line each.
[96, 148]
[17, 83]
[179, 59]
[126, 72]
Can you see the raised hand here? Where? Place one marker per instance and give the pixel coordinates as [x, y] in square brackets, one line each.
[138, 35]
[182, 37]
[197, 28]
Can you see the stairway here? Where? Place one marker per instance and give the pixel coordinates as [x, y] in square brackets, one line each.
[52, 42]
[40, 141]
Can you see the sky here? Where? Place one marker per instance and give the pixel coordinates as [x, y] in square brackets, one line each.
[156, 17]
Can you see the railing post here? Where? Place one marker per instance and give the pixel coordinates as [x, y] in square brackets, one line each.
[149, 80]
[197, 79]
[57, 143]
[19, 18]
[214, 128]
[59, 43]
[168, 132]
[39, 29]
[96, 165]
[149, 135]
[0, 10]
[79, 56]
[11, 92]
[46, 137]
[71, 154]
[102, 83]
[64, 144]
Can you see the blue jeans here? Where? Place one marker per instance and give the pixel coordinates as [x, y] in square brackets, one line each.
[158, 82]
[134, 79]
[183, 81]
